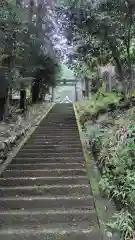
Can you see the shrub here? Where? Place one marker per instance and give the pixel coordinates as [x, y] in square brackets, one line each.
[123, 222]
[114, 151]
[99, 101]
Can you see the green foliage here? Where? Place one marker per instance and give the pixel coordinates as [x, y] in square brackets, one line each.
[103, 32]
[98, 102]
[95, 133]
[116, 155]
[119, 188]
[123, 222]
[66, 73]
[23, 49]
[113, 148]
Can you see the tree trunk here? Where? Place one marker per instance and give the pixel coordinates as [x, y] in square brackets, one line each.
[122, 79]
[96, 81]
[23, 99]
[87, 87]
[76, 95]
[52, 94]
[2, 108]
[10, 95]
[128, 45]
[6, 108]
[116, 57]
[35, 91]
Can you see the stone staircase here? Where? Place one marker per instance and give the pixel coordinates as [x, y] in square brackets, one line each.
[45, 192]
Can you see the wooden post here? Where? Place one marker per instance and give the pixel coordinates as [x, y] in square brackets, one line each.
[87, 87]
[76, 95]
[52, 94]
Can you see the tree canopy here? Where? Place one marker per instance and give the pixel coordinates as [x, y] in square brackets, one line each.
[26, 50]
[101, 32]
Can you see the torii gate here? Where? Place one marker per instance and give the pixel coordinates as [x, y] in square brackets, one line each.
[68, 82]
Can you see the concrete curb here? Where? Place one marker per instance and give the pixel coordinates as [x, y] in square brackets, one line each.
[10, 156]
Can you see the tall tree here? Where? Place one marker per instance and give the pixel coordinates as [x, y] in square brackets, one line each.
[24, 51]
[103, 32]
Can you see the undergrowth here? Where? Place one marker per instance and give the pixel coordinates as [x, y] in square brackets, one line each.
[98, 102]
[116, 155]
[122, 223]
[113, 148]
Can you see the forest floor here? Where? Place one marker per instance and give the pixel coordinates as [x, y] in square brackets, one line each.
[12, 131]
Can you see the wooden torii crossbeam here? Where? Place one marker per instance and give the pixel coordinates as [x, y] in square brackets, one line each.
[68, 82]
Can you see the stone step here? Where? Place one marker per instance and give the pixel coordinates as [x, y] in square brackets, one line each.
[27, 181]
[47, 166]
[49, 146]
[61, 112]
[46, 160]
[41, 233]
[50, 219]
[53, 141]
[61, 115]
[57, 125]
[52, 155]
[52, 203]
[64, 115]
[52, 135]
[61, 120]
[62, 128]
[46, 190]
[44, 173]
[57, 131]
[60, 150]
[68, 114]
